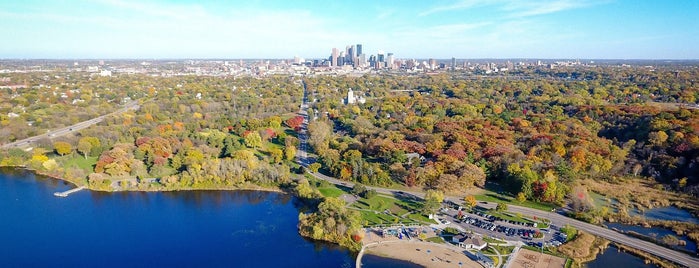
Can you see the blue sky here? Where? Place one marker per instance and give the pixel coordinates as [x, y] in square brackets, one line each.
[618, 29]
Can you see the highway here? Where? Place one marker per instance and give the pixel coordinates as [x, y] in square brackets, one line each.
[556, 219]
[24, 143]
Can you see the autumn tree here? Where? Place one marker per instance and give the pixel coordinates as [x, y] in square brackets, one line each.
[470, 200]
[253, 140]
[294, 122]
[62, 148]
[290, 152]
[433, 200]
[84, 147]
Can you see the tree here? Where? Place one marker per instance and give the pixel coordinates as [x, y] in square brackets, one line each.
[358, 189]
[62, 148]
[84, 147]
[253, 140]
[501, 207]
[521, 197]
[290, 152]
[294, 122]
[433, 199]
[276, 154]
[314, 167]
[470, 200]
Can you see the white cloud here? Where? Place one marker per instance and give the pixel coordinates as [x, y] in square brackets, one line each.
[516, 8]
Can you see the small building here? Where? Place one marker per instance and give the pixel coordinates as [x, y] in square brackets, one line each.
[412, 156]
[470, 241]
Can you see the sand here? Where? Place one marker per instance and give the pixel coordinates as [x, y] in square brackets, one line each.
[530, 259]
[416, 252]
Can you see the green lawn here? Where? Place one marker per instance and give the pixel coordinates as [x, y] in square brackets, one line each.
[331, 191]
[435, 239]
[374, 218]
[377, 205]
[382, 202]
[540, 223]
[78, 161]
[498, 198]
[491, 240]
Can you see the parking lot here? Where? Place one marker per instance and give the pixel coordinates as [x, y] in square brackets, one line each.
[489, 225]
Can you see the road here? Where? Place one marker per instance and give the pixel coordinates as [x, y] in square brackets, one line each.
[24, 143]
[556, 219]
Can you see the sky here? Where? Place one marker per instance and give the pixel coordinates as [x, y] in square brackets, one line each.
[256, 29]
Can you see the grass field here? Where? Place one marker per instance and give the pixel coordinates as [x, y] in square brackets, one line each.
[373, 210]
[79, 161]
[498, 198]
[331, 191]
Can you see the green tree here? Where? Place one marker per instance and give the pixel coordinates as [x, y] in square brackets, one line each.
[358, 189]
[253, 140]
[84, 147]
[290, 152]
[314, 167]
[276, 154]
[521, 197]
[433, 199]
[501, 207]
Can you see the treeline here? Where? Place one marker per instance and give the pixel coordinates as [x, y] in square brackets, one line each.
[536, 138]
[193, 132]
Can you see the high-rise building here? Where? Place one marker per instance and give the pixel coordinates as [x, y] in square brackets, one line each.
[333, 58]
[453, 64]
[389, 61]
[359, 49]
[432, 64]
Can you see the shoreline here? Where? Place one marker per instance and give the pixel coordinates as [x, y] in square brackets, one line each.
[87, 186]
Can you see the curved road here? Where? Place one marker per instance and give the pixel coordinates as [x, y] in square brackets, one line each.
[23, 143]
[557, 219]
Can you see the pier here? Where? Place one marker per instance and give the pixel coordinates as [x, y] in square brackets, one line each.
[66, 193]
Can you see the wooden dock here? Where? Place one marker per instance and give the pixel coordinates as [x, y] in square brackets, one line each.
[66, 193]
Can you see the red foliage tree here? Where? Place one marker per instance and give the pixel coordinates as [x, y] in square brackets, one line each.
[294, 122]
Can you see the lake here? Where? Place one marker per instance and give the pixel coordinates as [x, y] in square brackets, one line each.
[612, 257]
[655, 232]
[135, 229]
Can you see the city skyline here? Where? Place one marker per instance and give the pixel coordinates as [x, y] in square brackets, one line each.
[591, 29]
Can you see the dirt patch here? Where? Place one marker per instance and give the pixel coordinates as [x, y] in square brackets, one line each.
[584, 247]
[531, 259]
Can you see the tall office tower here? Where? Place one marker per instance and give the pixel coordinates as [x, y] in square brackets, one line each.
[433, 64]
[362, 59]
[333, 58]
[353, 51]
[351, 55]
[453, 64]
[380, 57]
[359, 49]
[389, 61]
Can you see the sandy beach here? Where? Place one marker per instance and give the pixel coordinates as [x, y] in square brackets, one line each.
[417, 252]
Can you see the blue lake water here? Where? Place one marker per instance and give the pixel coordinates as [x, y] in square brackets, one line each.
[373, 261]
[612, 257]
[178, 229]
[668, 213]
[655, 232]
